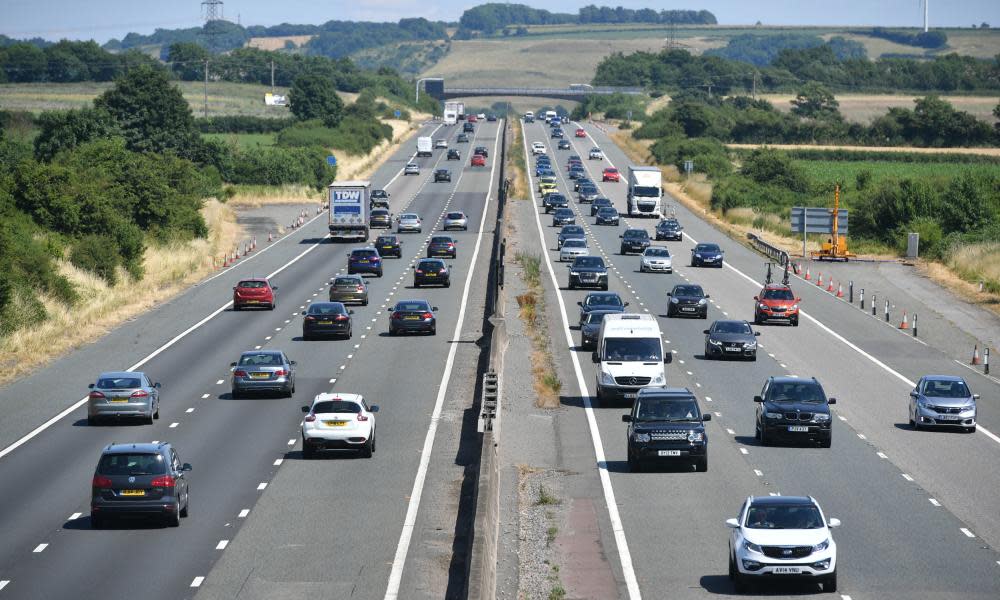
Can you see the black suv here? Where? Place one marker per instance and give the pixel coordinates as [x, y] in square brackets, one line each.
[688, 300]
[555, 201]
[588, 271]
[669, 229]
[634, 240]
[795, 409]
[139, 479]
[389, 245]
[599, 203]
[454, 154]
[442, 245]
[564, 145]
[666, 424]
[442, 175]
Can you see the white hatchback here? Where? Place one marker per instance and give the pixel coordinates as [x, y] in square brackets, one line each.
[656, 259]
[537, 148]
[338, 422]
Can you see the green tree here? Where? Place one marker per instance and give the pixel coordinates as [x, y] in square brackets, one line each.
[693, 117]
[814, 100]
[996, 115]
[23, 62]
[315, 97]
[771, 167]
[187, 60]
[63, 130]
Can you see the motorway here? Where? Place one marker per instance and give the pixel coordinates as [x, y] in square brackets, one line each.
[263, 522]
[920, 511]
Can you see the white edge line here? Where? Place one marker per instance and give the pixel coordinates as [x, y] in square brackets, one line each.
[413, 506]
[631, 583]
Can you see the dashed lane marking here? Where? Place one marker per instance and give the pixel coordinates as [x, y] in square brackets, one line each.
[907, 477]
[75, 516]
[222, 545]
[291, 442]
[203, 396]
[744, 451]
[40, 548]
[243, 513]
[261, 485]
[730, 431]
[934, 502]
[190, 410]
[278, 461]
[197, 581]
[174, 425]
[220, 382]
[967, 532]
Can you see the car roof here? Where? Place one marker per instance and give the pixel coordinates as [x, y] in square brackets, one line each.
[366, 249]
[790, 379]
[248, 279]
[740, 321]
[943, 378]
[776, 286]
[326, 397]
[432, 260]
[141, 447]
[674, 392]
[276, 352]
[421, 300]
[781, 500]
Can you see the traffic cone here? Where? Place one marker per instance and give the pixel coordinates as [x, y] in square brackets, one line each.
[829, 288]
[225, 261]
[819, 282]
[840, 290]
[808, 277]
[905, 324]
[975, 355]
[270, 237]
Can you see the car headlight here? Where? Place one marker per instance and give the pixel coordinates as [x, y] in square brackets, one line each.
[574, 273]
[822, 545]
[607, 378]
[703, 301]
[795, 307]
[715, 342]
[658, 379]
[696, 436]
[750, 345]
[640, 437]
[752, 547]
[820, 418]
[697, 256]
[969, 407]
[772, 415]
[673, 300]
[762, 305]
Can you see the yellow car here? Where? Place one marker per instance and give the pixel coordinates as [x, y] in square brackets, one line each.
[546, 184]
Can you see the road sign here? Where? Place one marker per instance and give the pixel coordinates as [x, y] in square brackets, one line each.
[628, 116]
[688, 166]
[818, 220]
[397, 113]
[331, 160]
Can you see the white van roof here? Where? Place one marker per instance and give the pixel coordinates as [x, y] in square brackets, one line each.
[630, 325]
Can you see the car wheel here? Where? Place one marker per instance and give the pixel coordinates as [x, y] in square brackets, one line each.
[306, 337]
[753, 357]
[173, 519]
[708, 353]
[571, 286]
[447, 284]
[367, 449]
[704, 315]
[795, 322]
[756, 431]
[970, 429]
[830, 583]
[434, 330]
[756, 318]
[92, 421]
[826, 443]
[237, 307]
[272, 306]
[764, 439]
[642, 268]
[913, 424]
[97, 522]
[149, 419]
[184, 513]
[670, 312]
[732, 568]
[308, 451]
[378, 273]
[416, 284]
[634, 466]
[364, 302]
[156, 415]
[373, 440]
[702, 465]
[741, 583]
[392, 332]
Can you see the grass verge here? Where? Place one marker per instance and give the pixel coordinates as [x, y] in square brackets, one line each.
[532, 311]
[517, 164]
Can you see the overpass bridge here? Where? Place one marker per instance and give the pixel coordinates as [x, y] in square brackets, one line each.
[435, 88]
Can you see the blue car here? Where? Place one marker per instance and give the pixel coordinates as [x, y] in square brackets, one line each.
[706, 255]
[364, 260]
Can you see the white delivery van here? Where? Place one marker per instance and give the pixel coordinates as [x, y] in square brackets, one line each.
[425, 146]
[645, 191]
[450, 113]
[631, 356]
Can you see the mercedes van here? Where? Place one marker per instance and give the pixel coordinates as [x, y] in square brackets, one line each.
[631, 356]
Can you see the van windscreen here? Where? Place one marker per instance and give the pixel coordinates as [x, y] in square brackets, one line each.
[632, 349]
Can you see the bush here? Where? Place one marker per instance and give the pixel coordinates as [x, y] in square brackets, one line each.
[768, 166]
[355, 134]
[709, 155]
[96, 254]
[931, 237]
[280, 166]
[241, 124]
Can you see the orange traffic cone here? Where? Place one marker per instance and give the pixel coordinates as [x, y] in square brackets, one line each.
[819, 282]
[829, 288]
[905, 324]
[270, 237]
[225, 261]
[975, 355]
[840, 291]
[808, 276]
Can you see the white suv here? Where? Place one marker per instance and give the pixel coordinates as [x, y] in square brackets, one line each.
[338, 422]
[595, 153]
[537, 148]
[782, 537]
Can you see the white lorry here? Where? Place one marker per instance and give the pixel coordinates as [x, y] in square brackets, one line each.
[631, 356]
[645, 191]
[348, 212]
[451, 113]
[425, 146]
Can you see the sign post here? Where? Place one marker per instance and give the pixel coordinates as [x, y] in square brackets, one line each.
[816, 220]
[331, 160]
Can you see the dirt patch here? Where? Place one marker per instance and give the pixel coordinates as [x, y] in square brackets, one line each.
[541, 512]
[278, 43]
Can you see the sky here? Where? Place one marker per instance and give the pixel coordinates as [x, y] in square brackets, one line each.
[102, 20]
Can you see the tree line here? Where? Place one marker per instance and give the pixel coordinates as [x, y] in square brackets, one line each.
[761, 50]
[489, 18]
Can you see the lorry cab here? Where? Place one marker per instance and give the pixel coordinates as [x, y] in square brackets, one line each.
[631, 356]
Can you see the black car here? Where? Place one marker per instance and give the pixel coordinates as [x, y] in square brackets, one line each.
[563, 216]
[793, 408]
[380, 218]
[600, 301]
[688, 300]
[564, 144]
[588, 271]
[557, 133]
[669, 229]
[731, 338]
[139, 480]
[389, 245]
[666, 424]
[587, 193]
[706, 255]
[555, 202]
[454, 154]
[607, 215]
[569, 232]
[491, 117]
[591, 327]
[467, 128]
[412, 315]
[326, 318]
[442, 175]
[462, 138]
[634, 240]
[482, 150]
[598, 204]
[442, 245]
[582, 181]
[431, 271]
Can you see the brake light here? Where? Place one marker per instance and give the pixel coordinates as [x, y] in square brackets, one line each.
[310, 318]
[240, 373]
[397, 315]
[280, 373]
[102, 482]
[163, 481]
[310, 418]
[362, 417]
[341, 317]
[139, 394]
[96, 395]
[428, 315]
[419, 272]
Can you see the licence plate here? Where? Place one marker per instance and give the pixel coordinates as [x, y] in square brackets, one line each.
[325, 322]
[687, 309]
[948, 417]
[631, 395]
[118, 400]
[432, 274]
[259, 375]
[253, 301]
[132, 493]
[387, 247]
[802, 428]
[732, 349]
[786, 570]
[668, 453]
[411, 318]
[335, 423]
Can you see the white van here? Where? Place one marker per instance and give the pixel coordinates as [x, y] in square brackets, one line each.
[631, 356]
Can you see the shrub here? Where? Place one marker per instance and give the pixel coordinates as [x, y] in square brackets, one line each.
[241, 124]
[709, 155]
[931, 237]
[96, 254]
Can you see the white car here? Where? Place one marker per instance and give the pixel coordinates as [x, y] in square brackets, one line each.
[440, 143]
[481, 116]
[538, 148]
[338, 422]
[596, 154]
[656, 259]
[572, 248]
[409, 222]
[782, 537]
[411, 169]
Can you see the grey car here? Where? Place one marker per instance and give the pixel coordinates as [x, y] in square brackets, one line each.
[411, 169]
[455, 220]
[408, 222]
[730, 338]
[943, 401]
[349, 289]
[263, 371]
[123, 394]
[139, 480]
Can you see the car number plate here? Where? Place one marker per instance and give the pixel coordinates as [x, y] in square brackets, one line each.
[948, 417]
[335, 423]
[687, 309]
[252, 301]
[786, 570]
[668, 453]
[132, 493]
[118, 400]
[432, 274]
[631, 395]
[411, 318]
[732, 349]
[325, 322]
[259, 375]
[802, 428]
[387, 247]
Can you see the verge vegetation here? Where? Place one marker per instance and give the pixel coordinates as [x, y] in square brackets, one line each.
[533, 313]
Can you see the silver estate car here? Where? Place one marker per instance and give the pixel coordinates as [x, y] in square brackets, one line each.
[349, 289]
[455, 220]
[408, 222]
[263, 371]
[128, 394]
[943, 401]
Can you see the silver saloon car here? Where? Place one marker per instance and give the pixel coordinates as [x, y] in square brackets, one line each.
[123, 394]
[409, 222]
[943, 401]
[455, 220]
[572, 248]
[263, 371]
[656, 259]
[411, 169]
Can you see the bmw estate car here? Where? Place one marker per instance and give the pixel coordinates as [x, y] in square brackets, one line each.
[364, 260]
[442, 245]
[389, 245]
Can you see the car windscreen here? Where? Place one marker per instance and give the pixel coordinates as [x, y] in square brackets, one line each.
[564, 212]
[607, 210]
[801, 516]
[795, 392]
[441, 239]
[657, 252]
[588, 262]
[946, 389]
[627, 349]
[575, 243]
[118, 383]
[430, 265]
[667, 409]
[639, 234]
[412, 306]
[603, 300]
[132, 464]
[706, 248]
[731, 327]
[327, 308]
[336, 406]
[689, 290]
[779, 295]
[267, 359]
[252, 284]
[364, 253]
[572, 230]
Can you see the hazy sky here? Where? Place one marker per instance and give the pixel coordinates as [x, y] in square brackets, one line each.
[105, 19]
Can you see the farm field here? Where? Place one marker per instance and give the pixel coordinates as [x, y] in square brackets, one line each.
[862, 108]
[831, 172]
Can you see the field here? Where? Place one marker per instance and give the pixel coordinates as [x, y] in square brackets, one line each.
[830, 172]
[243, 140]
[862, 108]
[278, 43]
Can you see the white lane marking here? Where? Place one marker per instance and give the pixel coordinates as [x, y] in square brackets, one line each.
[758, 472]
[196, 582]
[4, 583]
[278, 461]
[730, 431]
[628, 571]
[40, 548]
[277, 328]
[291, 442]
[784, 366]
[261, 485]
[222, 545]
[333, 380]
[862, 436]
[690, 373]
[881, 455]
[708, 398]
[288, 320]
[697, 384]
[155, 442]
[220, 382]
[267, 337]
[174, 425]
[409, 522]
[243, 513]
[773, 494]
[203, 396]
[744, 451]
[907, 477]
[934, 502]
[75, 516]
[718, 414]
[967, 532]
[845, 597]
[841, 417]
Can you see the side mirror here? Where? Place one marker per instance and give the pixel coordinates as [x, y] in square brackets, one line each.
[833, 523]
[350, 311]
[706, 417]
[705, 331]
[626, 304]
[622, 237]
[756, 298]
[291, 362]
[434, 309]
[234, 288]
[274, 289]
[758, 399]
[579, 303]
[975, 396]
[373, 408]
[232, 364]
[626, 418]
[668, 358]
[831, 401]
[594, 357]
[186, 467]
[732, 524]
[304, 312]
[413, 267]
[798, 299]
[91, 386]
[708, 295]
[305, 409]
[914, 394]
[157, 385]
[756, 333]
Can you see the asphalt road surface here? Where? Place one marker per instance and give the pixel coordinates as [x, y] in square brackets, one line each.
[263, 522]
[920, 510]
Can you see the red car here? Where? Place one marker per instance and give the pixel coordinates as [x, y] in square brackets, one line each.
[471, 119]
[581, 133]
[478, 160]
[776, 302]
[254, 293]
[611, 174]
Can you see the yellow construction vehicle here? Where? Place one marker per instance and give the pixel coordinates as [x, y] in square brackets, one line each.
[834, 250]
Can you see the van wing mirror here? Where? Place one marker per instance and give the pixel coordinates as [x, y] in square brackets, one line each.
[668, 358]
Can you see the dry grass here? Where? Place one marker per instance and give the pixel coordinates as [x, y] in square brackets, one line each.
[907, 149]
[532, 312]
[517, 164]
[863, 108]
[278, 43]
[255, 196]
[169, 270]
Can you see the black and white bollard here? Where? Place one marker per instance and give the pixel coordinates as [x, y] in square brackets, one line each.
[914, 324]
[986, 360]
[850, 291]
[862, 298]
[874, 298]
[886, 310]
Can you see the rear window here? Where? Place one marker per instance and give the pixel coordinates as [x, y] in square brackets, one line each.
[412, 306]
[132, 464]
[385, 240]
[252, 284]
[380, 212]
[336, 406]
[440, 239]
[409, 216]
[456, 215]
[430, 265]
[261, 359]
[327, 309]
[112, 383]
[346, 281]
[364, 252]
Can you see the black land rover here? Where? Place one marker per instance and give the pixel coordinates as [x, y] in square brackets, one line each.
[666, 424]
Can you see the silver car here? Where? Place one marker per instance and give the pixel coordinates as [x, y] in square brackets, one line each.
[349, 289]
[656, 259]
[127, 394]
[411, 169]
[943, 401]
[456, 220]
[572, 248]
[408, 222]
[263, 371]
[595, 153]
[440, 143]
